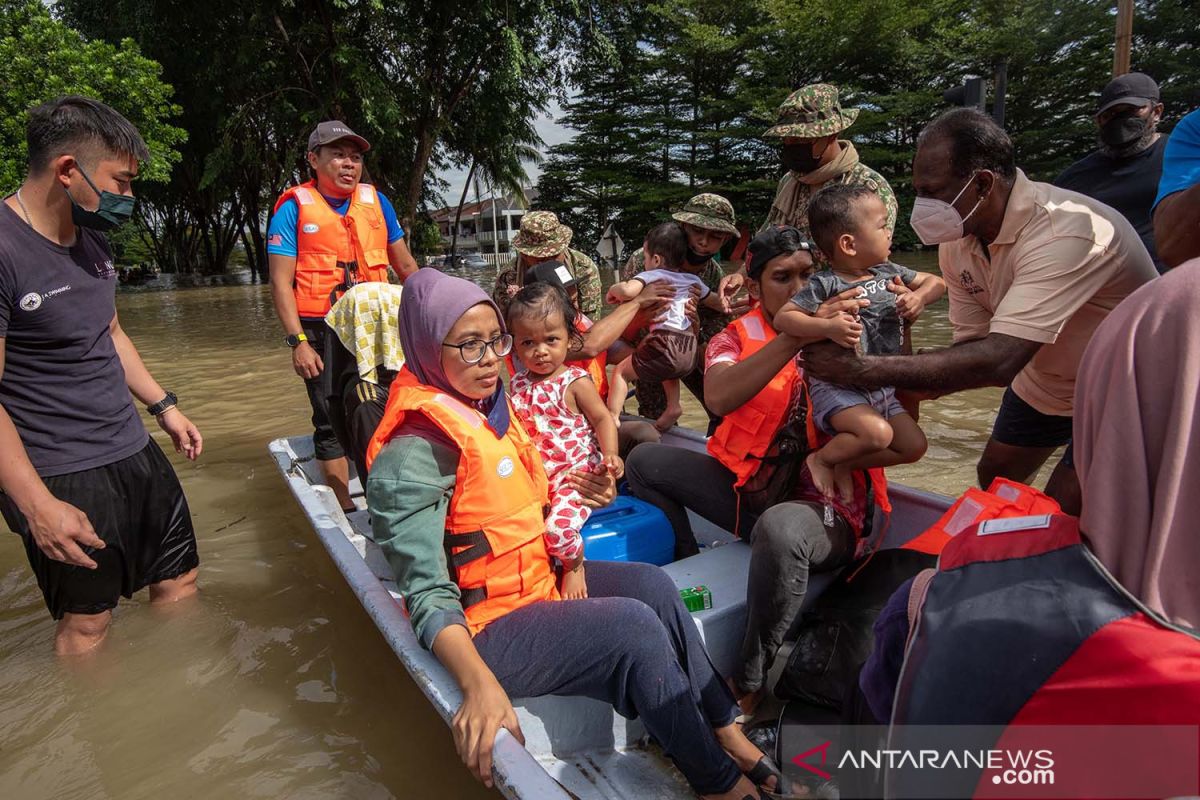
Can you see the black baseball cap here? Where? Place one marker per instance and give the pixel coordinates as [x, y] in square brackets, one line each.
[331, 131]
[776, 240]
[1132, 88]
[554, 273]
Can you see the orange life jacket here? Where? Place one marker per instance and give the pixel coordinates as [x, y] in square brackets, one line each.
[495, 524]
[596, 368]
[746, 433]
[334, 252]
[1004, 498]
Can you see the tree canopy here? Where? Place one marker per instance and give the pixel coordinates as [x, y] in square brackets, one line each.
[680, 106]
[668, 98]
[41, 58]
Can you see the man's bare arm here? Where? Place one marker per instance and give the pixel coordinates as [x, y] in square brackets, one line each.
[991, 361]
[401, 259]
[1177, 227]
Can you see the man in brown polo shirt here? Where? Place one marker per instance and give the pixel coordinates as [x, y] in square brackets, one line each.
[1031, 271]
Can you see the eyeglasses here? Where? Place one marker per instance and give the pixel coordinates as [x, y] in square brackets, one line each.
[472, 351]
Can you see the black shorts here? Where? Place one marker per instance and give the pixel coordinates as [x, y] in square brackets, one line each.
[137, 507]
[1021, 425]
[325, 441]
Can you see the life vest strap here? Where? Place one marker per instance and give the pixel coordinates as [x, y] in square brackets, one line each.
[476, 547]
[472, 597]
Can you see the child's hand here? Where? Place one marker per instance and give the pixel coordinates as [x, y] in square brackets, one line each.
[909, 304]
[574, 585]
[611, 296]
[615, 466]
[844, 329]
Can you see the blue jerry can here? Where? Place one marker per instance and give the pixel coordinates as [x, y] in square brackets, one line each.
[629, 529]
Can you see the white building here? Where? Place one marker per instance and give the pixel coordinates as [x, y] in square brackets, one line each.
[477, 232]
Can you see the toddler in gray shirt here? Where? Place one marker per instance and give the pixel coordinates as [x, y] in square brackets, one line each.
[869, 427]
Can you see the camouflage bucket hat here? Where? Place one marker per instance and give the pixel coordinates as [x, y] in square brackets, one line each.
[541, 235]
[709, 211]
[811, 112]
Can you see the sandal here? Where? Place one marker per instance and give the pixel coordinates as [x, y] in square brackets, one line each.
[764, 770]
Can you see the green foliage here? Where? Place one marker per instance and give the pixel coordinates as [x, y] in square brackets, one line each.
[669, 97]
[41, 58]
[423, 237]
[431, 84]
[695, 82]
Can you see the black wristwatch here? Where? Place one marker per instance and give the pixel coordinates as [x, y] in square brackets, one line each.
[293, 340]
[162, 405]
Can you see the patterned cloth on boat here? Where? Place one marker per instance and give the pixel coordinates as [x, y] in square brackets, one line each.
[366, 320]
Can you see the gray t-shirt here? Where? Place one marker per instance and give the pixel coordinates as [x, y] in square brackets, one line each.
[63, 384]
[881, 324]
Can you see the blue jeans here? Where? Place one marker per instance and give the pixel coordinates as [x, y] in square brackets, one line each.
[631, 643]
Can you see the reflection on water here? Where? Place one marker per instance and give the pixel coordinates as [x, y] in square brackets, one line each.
[274, 683]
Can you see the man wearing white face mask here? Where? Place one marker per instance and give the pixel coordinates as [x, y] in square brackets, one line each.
[1031, 270]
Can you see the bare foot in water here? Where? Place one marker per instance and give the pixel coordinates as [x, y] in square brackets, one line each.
[822, 474]
[844, 480]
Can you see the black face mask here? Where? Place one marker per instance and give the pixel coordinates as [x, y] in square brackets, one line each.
[800, 158]
[696, 259]
[1120, 132]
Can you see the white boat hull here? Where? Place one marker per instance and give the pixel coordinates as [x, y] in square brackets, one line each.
[574, 746]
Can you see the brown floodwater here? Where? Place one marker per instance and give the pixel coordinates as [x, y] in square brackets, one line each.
[273, 682]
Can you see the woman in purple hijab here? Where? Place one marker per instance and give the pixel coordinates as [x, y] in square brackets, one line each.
[631, 642]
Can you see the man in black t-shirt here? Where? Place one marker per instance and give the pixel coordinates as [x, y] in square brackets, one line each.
[96, 503]
[1123, 173]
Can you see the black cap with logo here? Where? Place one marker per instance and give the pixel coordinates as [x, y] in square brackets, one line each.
[331, 131]
[1133, 88]
[554, 273]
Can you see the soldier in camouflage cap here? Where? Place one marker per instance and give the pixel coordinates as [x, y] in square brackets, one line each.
[710, 211]
[543, 238]
[812, 112]
[709, 222]
[541, 235]
[807, 127]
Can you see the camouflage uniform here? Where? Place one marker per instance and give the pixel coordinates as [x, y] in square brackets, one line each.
[810, 113]
[709, 211]
[542, 237]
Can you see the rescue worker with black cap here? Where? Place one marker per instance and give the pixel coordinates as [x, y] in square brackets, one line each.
[326, 235]
[1124, 171]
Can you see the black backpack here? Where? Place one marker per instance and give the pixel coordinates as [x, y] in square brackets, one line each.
[837, 634]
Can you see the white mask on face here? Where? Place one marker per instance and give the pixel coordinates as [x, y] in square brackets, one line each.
[938, 222]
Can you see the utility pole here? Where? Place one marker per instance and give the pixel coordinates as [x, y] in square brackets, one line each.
[496, 229]
[1121, 52]
[1000, 90]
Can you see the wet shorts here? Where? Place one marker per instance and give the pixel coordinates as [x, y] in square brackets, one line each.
[830, 398]
[665, 355]
[137, 507]
[1021, 425]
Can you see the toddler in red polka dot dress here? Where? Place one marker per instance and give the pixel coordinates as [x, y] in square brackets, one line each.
[562, 410]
